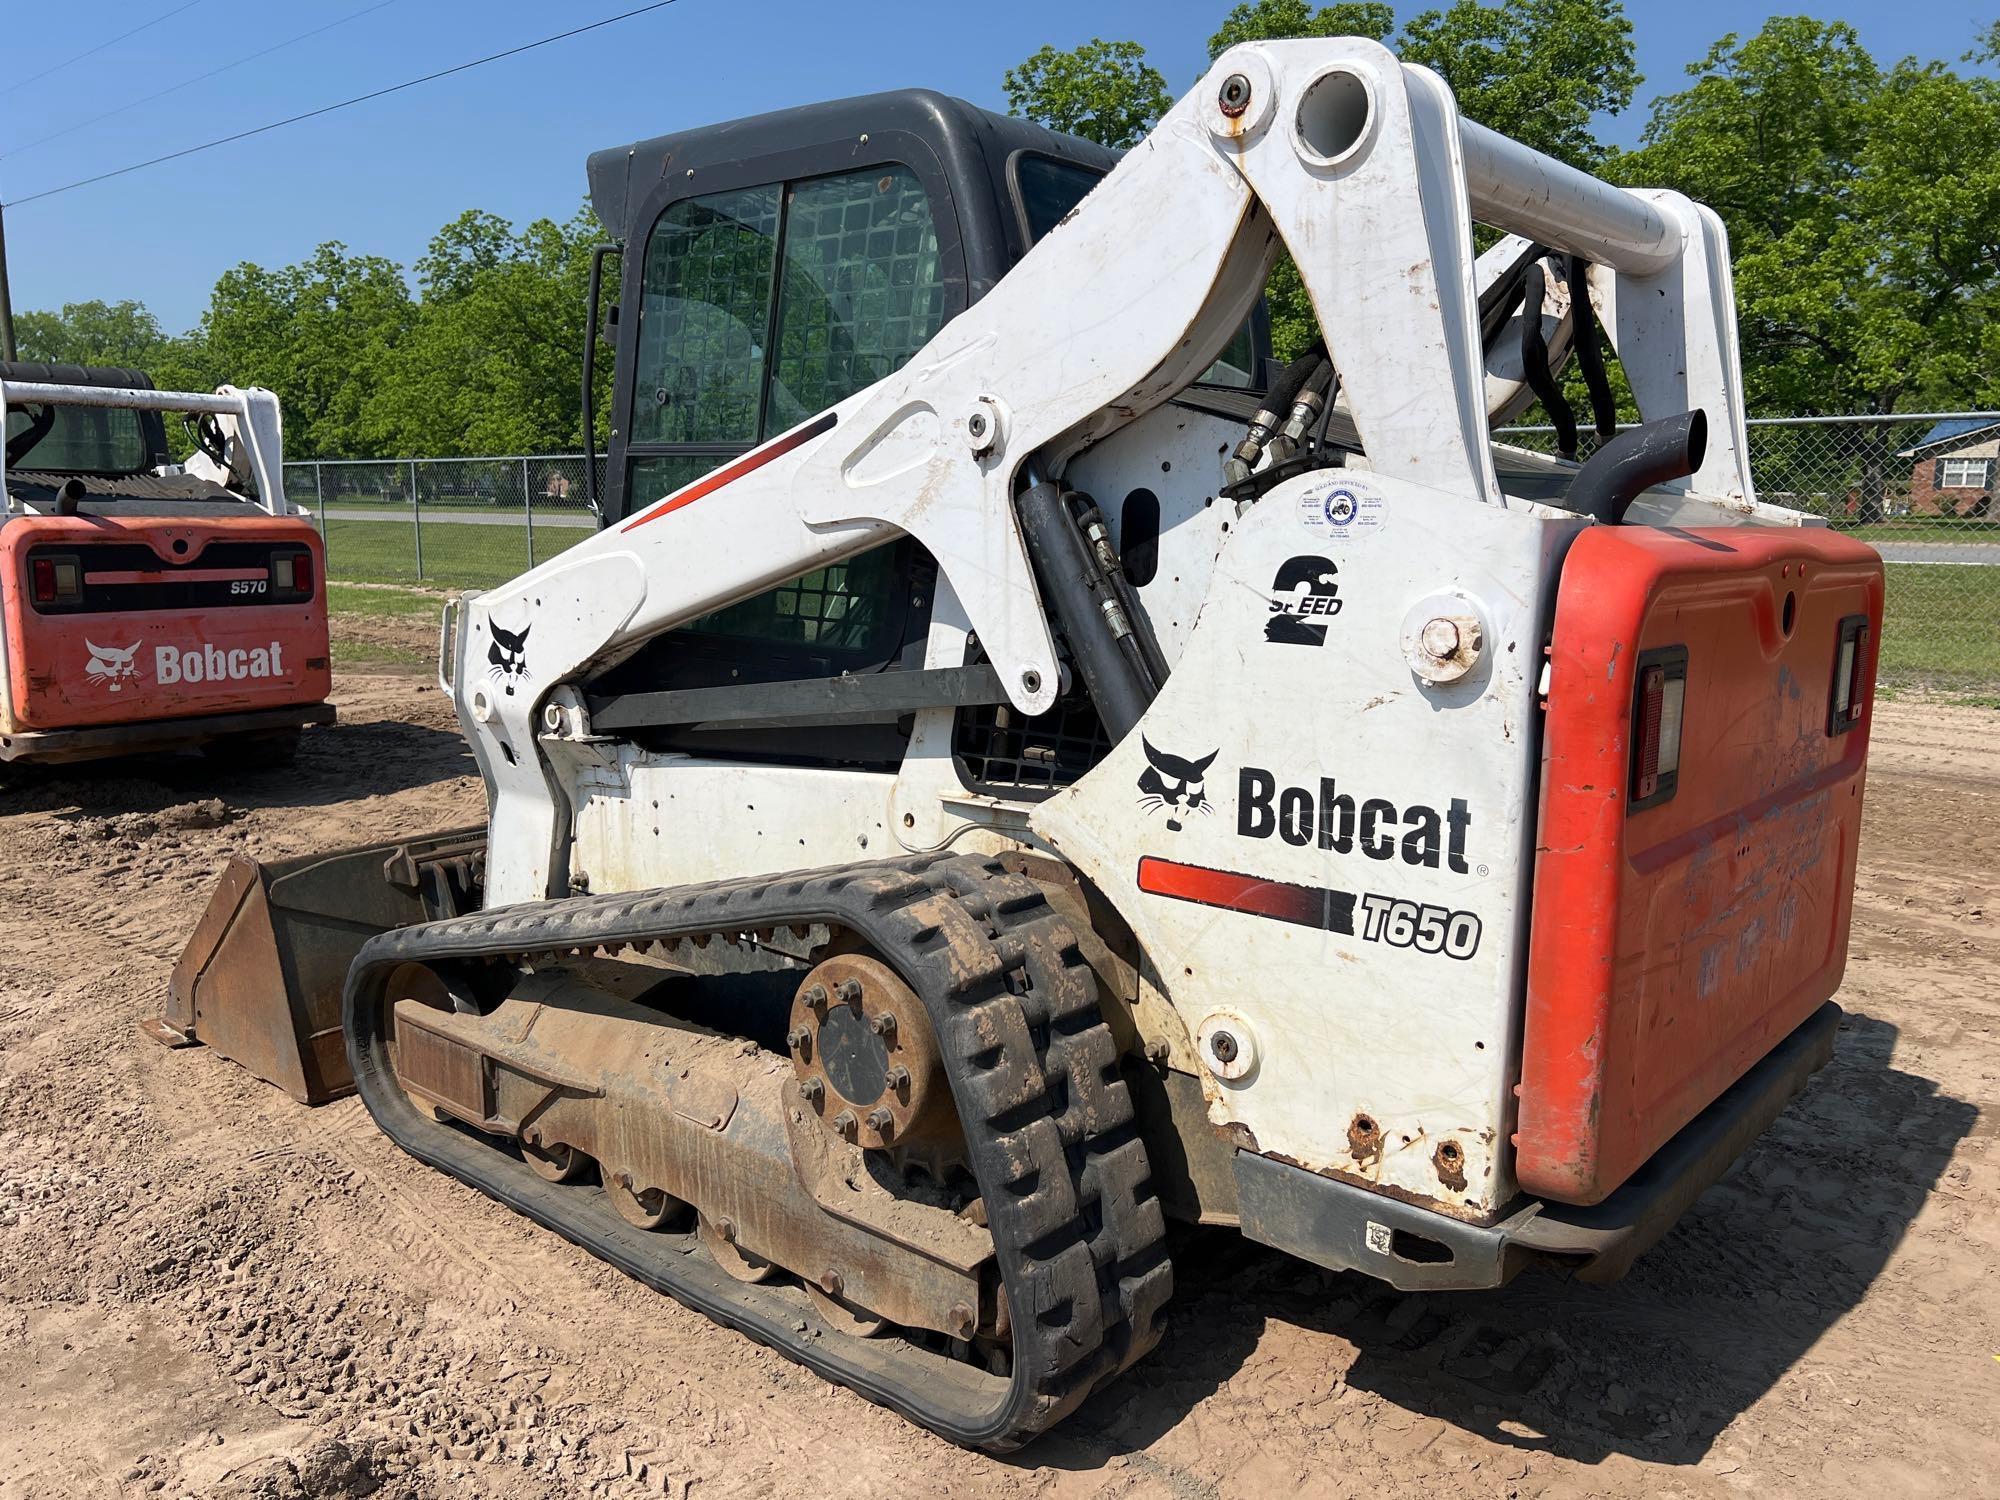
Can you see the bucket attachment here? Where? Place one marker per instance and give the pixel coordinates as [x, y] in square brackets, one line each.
[260, 979]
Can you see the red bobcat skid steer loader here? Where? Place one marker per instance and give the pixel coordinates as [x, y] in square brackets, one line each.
[149, 607]
[1000, 780]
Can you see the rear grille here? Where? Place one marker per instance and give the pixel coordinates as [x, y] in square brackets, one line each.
[1004, 753]
[128, 577]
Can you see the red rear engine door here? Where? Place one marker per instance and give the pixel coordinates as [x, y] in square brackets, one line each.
[119, 620]
[1687, 917]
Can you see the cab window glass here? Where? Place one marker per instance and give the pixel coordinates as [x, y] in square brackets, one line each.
[859, 291]
[851, 263]
[83, 440]
[1049, 189]
[704, 318]
[841, 608]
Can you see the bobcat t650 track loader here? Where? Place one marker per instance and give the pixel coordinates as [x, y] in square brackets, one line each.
[1000, 779]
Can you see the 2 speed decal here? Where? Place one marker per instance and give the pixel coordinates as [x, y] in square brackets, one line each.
[1304, 597]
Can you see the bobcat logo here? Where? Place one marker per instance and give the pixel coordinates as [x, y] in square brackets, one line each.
[509, 656]
[111, 665]
[1174, 784]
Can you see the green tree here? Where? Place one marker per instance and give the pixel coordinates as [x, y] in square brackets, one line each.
[1535, 70]
[494, 354]
[1863, 207]
[321, 334]
[1104, 91]
[92, 333]
[1279, 20]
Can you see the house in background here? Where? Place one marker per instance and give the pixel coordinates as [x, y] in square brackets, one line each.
[1951, 470]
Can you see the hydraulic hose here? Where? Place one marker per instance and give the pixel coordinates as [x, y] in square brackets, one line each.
[1278, 403]
[1097, 535]
[1589, 351]
[1087, 609]
[1307, 406]
[1535, 362]
[1636, 460]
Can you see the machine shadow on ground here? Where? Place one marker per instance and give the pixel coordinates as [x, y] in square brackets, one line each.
[395, 756]
[1655, 1367]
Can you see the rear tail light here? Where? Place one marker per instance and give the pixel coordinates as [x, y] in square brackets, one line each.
[1657, 710]
[1850, 659]
[292, 574]
[56, 580]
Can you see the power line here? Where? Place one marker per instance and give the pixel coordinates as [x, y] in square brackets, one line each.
[191, 82]
[100, 47]
[327, 109]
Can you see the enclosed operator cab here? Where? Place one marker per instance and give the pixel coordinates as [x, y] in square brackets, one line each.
[774, 266]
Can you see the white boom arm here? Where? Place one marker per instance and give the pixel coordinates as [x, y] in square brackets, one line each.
[1355, 163]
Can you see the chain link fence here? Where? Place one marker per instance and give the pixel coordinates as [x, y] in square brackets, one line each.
[453, 522]
[1919, 488]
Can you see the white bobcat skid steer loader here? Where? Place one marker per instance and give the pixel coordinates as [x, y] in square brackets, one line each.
[995, 782]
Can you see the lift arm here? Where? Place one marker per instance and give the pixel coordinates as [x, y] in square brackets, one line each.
[1354, 162]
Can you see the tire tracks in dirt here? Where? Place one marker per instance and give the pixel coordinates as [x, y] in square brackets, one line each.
[305, 1311]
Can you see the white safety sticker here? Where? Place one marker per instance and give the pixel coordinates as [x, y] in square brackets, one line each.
[1341, 508]
[1378, 1237]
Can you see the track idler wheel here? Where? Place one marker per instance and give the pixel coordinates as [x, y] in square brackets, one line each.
[865, 1058]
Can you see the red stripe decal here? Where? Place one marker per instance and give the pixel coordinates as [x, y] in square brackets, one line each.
[176, 575]
[735, 469]
[1303, 905]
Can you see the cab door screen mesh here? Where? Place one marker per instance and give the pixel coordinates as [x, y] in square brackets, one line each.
[860, 291]
[703, 319]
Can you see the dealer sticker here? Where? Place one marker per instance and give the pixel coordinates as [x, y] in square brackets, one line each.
[1343, 508]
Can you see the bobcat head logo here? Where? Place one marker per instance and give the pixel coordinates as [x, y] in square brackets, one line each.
[1174, 784]
[509, 656]
[111, 665]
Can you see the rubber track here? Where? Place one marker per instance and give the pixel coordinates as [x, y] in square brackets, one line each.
[1079, 1236]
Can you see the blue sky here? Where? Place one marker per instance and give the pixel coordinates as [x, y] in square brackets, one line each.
[512, 137]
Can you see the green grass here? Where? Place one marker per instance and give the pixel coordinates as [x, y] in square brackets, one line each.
[394, 603]
[547, 513]
[348, 602]
[1928, 529]
[1941, 628]
[453, 556]
[348, 653]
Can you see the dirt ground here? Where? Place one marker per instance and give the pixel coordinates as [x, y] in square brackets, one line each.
[208, 1290]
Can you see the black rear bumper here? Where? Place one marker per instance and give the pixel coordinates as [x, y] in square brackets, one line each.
[1348, 1228]
[156, 734]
